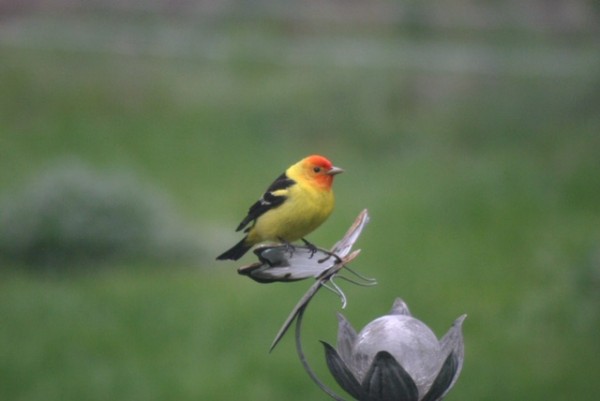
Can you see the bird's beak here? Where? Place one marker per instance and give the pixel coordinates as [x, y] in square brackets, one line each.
[335, 170]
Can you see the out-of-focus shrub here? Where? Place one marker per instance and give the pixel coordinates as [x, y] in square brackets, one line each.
[71, 215]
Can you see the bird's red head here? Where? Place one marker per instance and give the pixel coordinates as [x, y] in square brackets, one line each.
[320, 169]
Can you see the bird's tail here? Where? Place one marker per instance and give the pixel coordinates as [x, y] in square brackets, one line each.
[237, 251]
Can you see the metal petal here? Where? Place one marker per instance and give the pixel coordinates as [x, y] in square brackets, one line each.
[444, 379]
[386, 380]
[343, 247]
[453, 339]
[453, 343]
[400, 308]
[342, 375]
[278, 263]
[345, 339]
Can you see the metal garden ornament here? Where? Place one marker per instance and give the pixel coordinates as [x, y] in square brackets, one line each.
[396, 357]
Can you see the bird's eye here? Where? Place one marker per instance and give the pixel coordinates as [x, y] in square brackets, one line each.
[317, 169]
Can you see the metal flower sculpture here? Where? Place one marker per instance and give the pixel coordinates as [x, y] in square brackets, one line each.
[396, 357]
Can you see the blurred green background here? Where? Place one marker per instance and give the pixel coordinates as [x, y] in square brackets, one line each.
[134, 135]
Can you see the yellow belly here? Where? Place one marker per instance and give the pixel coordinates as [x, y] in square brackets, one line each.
[303, 211]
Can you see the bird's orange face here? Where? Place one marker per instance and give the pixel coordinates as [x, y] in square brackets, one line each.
[321, 170]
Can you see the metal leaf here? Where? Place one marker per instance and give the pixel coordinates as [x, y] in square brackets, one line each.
[279, 263]
[386, 380]
[453, 343]
[442, 382]
[345, 339]
[343, 376]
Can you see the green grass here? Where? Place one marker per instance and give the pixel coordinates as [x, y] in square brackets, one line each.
[146, 335]
[484, 201]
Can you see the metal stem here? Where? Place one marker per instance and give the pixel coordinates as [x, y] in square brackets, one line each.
[302, 357]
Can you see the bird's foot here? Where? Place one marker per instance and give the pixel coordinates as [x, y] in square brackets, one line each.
[314, 249]
[289, 247]
[311, 247]
[338, 260]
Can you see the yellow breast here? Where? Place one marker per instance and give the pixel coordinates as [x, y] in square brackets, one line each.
[305, 209]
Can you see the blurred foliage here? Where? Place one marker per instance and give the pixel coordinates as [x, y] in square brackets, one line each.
[71, 216]
[475, 151]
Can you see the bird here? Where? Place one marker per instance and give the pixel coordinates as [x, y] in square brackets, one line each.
[294, 205]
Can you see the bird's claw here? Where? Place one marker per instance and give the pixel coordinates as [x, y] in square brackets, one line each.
[289, 247]
[312, 248]
[338, 260]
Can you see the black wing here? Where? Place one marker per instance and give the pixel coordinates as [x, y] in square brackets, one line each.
[268, 201]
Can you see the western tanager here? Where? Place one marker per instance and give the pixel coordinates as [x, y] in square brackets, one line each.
[294, 205]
